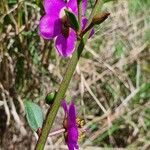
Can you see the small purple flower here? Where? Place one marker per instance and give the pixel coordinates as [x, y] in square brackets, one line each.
[53, 24]
[70, 125]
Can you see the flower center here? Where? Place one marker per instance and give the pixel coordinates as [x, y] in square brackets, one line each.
[65, 27]
[65, 24]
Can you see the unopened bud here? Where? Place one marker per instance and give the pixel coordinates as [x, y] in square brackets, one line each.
[99, 18]
[50, 98]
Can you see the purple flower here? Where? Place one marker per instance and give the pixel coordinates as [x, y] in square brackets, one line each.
[70, 125]
[54, 24]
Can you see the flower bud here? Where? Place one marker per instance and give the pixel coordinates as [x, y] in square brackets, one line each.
[50, 98]
[99, 18]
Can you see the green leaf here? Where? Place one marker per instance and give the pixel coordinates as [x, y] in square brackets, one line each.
[73, 22]
[34, 115]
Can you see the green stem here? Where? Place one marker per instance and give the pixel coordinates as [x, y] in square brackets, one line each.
[79, 2]
[60, 95]
[63, 88]
[95, 9]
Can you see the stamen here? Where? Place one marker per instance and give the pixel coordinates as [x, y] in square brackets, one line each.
[80, 122]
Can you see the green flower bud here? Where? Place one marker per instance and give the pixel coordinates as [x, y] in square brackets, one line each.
[50, 98]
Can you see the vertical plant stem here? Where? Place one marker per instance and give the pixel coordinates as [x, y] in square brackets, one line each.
[63, 87]
[79, 2]
[60, 94]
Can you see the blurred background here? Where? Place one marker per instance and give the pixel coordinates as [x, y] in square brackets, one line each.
[111, 85]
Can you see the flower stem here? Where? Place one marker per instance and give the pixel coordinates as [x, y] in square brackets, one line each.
[94, 11]
[60, 94]
[97, 19]
[63, 87]
[79, 2]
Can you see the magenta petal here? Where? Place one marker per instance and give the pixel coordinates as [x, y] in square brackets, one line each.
[72, 129]
[66, 46]
[84, 22]
[64, 105]
[73, 5]
[72, 115]
[72, 138]
[73, 135]
[49, 27]
[53, 6]
[84, 7]
[72, 147]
